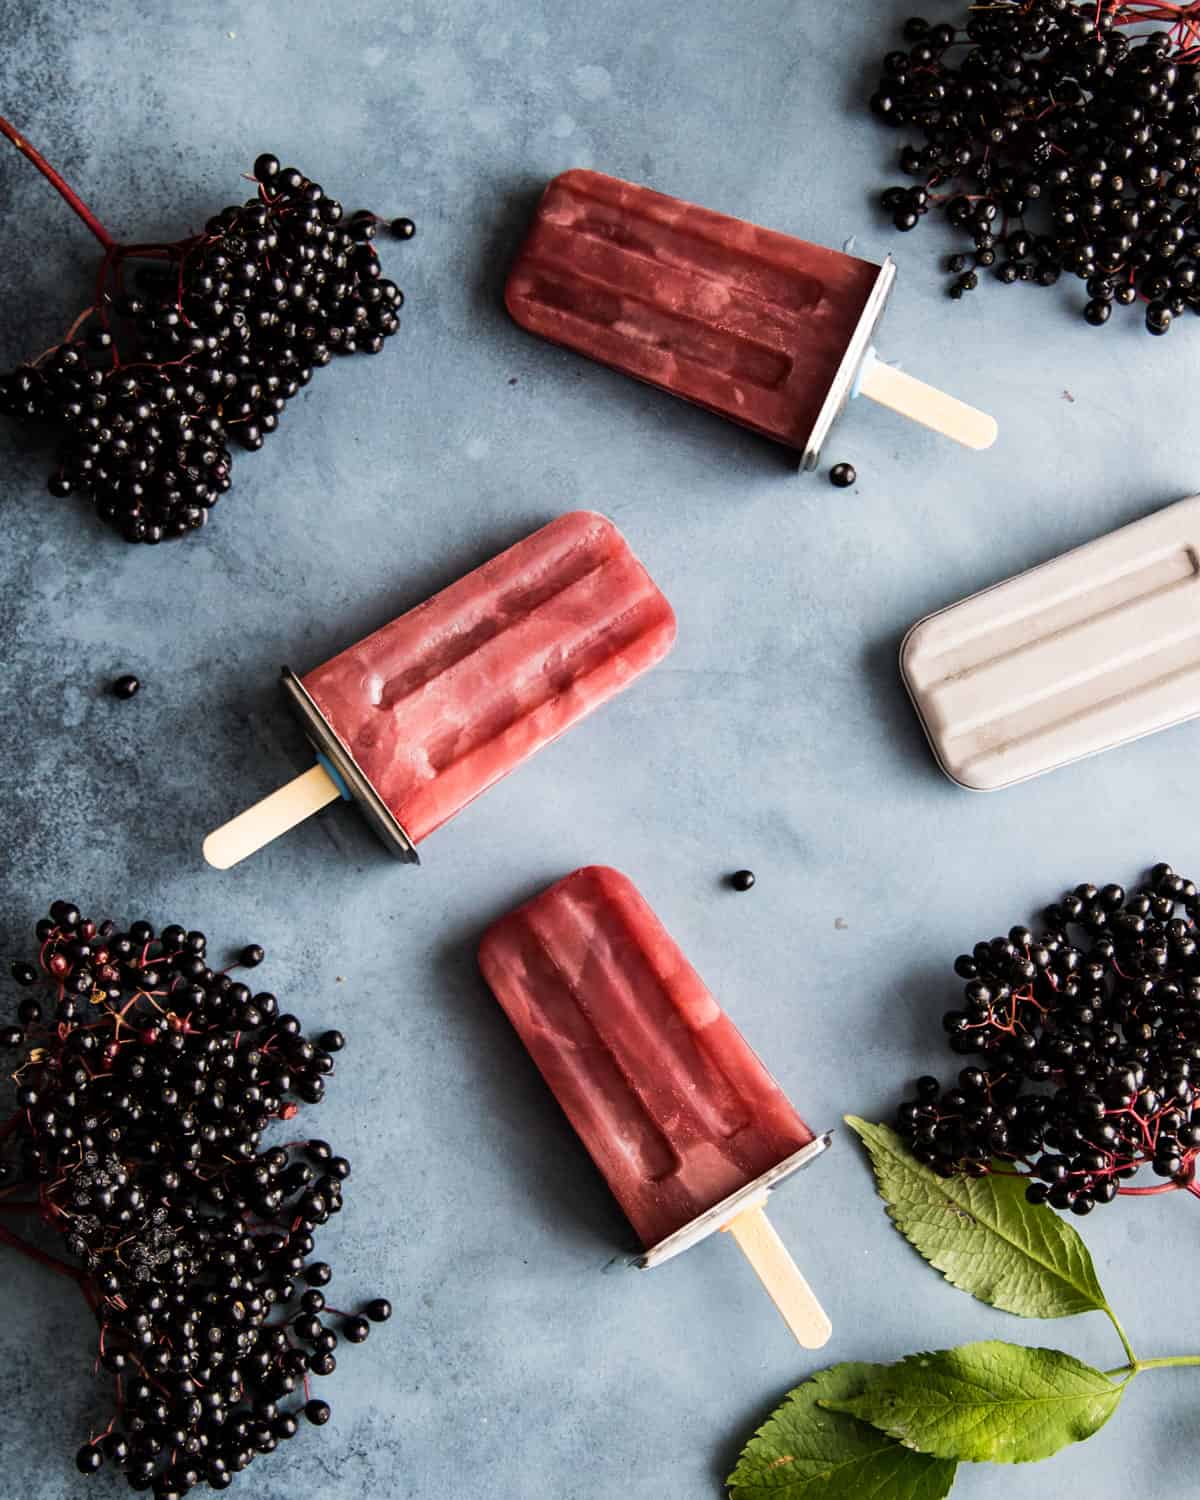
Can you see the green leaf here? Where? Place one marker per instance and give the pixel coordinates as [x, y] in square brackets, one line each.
[983, 1234]
[986, 1403]
[805, 1452]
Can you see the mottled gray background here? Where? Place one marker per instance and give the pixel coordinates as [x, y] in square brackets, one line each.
[524, 1360]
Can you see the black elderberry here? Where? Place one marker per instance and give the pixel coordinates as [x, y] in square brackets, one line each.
[150, 396]
[1057, 124]
[89, 1459]
[144, 1122]
[116, 1447]
[1108, 1021]
[842, 476]
[307, 1328]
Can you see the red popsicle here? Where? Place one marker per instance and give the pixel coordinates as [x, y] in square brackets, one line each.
[758, 326]
[677, 1111]
[418, 719]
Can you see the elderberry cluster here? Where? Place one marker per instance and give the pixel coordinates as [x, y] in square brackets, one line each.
[1059, 142]
[219, 333]
[1089, 1065]
[146, 1080]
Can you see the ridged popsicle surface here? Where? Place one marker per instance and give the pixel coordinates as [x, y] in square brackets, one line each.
[1096, 648]
[677, 1111]
[745, 321]
[448, 698]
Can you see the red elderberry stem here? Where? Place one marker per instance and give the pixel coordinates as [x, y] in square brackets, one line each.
[1147, 1192]
[25, 1248]
[57, 182]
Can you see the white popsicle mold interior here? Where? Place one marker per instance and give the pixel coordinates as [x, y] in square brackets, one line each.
[1086, 652]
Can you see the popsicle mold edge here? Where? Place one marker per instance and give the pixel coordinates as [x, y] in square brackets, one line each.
[723, 1213]
[845, 381]
[348, 775]
[911, 636]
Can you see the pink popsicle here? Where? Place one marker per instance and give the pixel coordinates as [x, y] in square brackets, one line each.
[761, 327]
[419, 718]
[675, 1108]
[450, 697]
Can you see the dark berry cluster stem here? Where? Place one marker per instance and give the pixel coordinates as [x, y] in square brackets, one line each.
[145, 1080]
[31, 1252]
[219, 332]
[58, 182]
[1089, 1054]
[1063, 142]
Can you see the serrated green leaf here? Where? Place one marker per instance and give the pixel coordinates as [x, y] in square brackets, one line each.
[983, 1234]
[986, 1403]
[806, 1452]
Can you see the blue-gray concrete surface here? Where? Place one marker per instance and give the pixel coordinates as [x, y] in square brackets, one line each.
[524, 1359]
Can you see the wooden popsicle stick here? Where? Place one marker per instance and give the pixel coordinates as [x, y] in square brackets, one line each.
[926, 404]
[266, 820]
[778, 1272]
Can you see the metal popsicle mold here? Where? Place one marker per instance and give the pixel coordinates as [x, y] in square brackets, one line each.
[856, 352]
[728, 1209]
[321, 735]
[741, 320]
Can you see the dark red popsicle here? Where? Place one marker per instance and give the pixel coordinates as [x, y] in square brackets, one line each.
[742, 320]
[768, 330]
